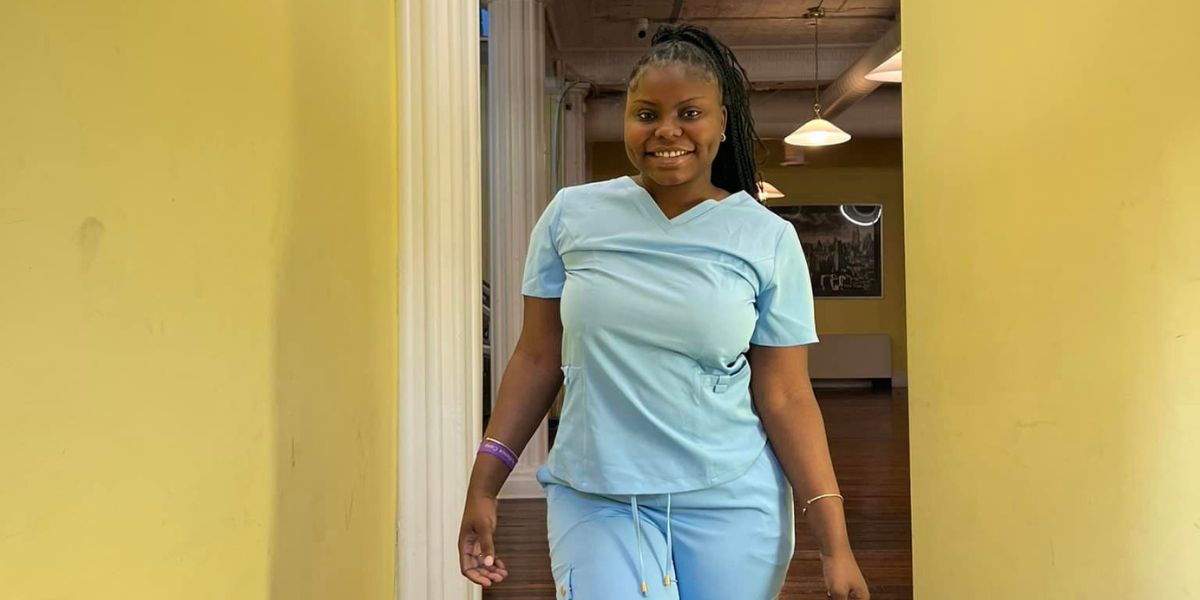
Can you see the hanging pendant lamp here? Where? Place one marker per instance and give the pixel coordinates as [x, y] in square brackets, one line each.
[766, 191]
[888, 72]
[818, 131]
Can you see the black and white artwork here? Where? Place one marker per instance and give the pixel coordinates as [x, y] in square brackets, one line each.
[843, 246]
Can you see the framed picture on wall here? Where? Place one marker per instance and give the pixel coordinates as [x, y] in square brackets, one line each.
[843, 244]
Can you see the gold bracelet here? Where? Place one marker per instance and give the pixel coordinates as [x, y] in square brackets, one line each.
[502, 444]
[804, 510]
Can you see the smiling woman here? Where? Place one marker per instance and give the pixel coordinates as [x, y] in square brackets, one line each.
[688, 128]
[668, 297]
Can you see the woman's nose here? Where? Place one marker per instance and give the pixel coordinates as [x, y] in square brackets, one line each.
[668, 129]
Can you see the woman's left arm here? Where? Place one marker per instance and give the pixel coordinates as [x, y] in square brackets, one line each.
[788, 408]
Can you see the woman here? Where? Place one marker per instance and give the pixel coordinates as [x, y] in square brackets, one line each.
[657, 296]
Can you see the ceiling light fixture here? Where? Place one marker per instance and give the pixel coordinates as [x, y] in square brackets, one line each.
[863, 215]
[767, 191]
[888, 72]
[818, 131]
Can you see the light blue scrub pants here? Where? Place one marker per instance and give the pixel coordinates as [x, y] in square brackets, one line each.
[733, 541]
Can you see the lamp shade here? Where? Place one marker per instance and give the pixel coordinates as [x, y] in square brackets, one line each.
[767, 191]
[888, 72]
[817, 132]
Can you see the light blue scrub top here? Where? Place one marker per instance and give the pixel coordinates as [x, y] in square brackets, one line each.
[657, 315]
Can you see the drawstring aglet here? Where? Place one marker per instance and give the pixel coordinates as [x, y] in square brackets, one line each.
[644, 590]
[667, 580]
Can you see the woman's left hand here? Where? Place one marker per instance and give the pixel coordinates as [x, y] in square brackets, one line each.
[843, 579]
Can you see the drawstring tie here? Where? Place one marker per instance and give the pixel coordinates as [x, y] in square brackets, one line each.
[669, 566]
[637, 525]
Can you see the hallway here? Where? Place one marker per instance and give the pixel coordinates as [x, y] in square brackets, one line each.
[868, 439]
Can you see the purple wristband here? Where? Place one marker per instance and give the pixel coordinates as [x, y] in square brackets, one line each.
[504, 454]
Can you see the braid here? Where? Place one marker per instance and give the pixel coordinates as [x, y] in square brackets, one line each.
[734, 168]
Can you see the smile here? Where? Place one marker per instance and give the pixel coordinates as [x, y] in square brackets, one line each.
[669, 153]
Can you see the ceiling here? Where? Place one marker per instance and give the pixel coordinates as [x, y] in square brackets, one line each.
[610, 24]
[595, 41]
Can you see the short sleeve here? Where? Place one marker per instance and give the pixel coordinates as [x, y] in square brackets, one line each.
[785, 304]
[544, 272]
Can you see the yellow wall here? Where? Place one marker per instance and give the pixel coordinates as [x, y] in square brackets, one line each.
[197, 322]
[1053, 300]
[860, 171]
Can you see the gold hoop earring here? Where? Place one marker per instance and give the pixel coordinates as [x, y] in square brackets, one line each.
[722, 136]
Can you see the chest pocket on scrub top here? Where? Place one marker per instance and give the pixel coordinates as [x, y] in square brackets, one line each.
[715, 392]
[571, 375]
[574, 395]
[574, 419]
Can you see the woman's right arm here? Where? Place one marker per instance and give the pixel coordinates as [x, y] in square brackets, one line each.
[528, 387]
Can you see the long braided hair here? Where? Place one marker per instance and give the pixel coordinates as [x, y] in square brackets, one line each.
[734, 168]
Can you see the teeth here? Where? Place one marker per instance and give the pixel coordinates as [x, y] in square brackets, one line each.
[670, 154]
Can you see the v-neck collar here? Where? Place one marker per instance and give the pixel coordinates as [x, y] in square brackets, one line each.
[651, 209]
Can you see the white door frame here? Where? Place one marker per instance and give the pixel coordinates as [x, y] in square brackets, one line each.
[440, 397]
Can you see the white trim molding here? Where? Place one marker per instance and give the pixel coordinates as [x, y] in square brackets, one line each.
[440, 399]
[517, 191]
[574, 135]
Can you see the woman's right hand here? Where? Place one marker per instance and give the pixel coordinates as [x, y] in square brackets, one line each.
[476, 553]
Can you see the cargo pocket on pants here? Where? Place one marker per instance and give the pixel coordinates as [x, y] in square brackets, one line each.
[562, 582]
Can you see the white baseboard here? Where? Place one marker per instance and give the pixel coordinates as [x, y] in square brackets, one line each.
[522, 483]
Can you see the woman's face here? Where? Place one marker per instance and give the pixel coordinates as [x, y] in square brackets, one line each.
[673, 125]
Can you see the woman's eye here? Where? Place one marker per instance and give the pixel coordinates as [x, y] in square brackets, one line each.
[691, 113]
[645, 115]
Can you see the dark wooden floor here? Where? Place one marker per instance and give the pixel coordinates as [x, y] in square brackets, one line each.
[868, 438]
